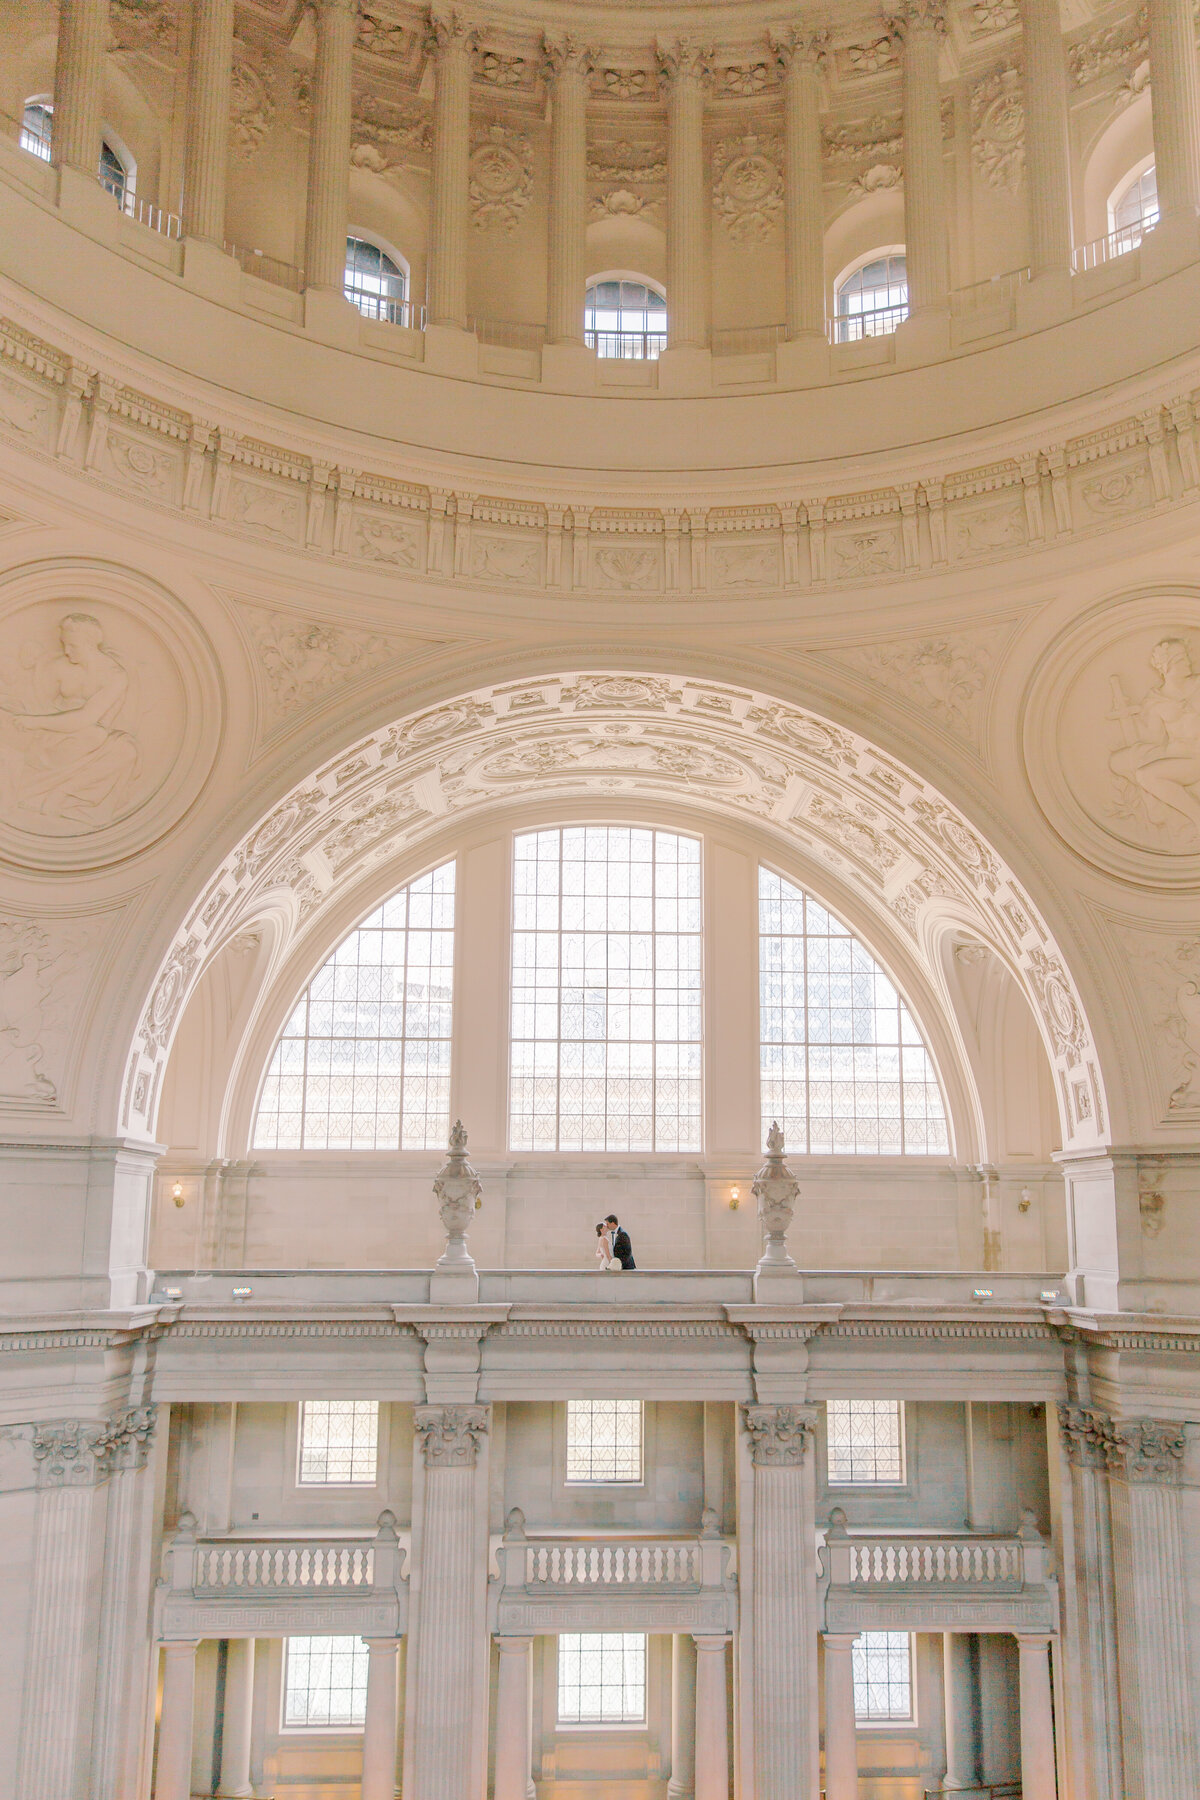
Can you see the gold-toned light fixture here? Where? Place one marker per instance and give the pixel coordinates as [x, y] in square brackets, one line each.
[177, 1193]
[735, 1197]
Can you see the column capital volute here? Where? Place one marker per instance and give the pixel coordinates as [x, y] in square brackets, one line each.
[907, 16]
[451, 1436]
[448, 32]
[798, 47]
[564, 57]
[779, 1435]
[685, 61]
[1146, 1451]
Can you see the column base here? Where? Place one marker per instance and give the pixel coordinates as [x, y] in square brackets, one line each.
[803, 361]
[449, 350]
[570, 367]
[83, 203]
[685, 370]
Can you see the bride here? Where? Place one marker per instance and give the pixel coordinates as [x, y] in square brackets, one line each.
[604, 1254]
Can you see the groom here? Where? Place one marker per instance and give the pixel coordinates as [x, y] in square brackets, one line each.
[622, 1248]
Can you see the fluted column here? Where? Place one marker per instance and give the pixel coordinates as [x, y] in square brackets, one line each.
[1047, 143]
[237, 1720]
[173, 1777]
[689, 283]
[784, 1565]
[841, 1730]
[453, 1577]
[920, 25]
[452, 43]
[121, 1659]
[329, 147]
[1175, 106]
[207, 155]
[79, 84]
[802, 58]
[1038, 1781]
[512, 1719]
[1096, 1632]
[379, 1733]
[712, 1720]
[958, 1688]
[569, 65]
[683, 1718]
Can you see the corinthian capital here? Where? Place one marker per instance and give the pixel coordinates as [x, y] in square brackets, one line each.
[1146, 1450]
[451, 1435]
[568, 56]
[449, 31]
[1084, 1432]
[779, 1435]
[686, 60]
[70, 1453]
[907, 16]
[800, 48]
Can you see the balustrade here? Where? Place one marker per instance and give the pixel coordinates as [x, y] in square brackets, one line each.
[938, 1582]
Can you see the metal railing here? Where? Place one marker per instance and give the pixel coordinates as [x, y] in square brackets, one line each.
[988, 295]
[875, 321]
[508, 334]
[142, 212]
[627, 346]
[267, 268]
[733, 341]
[409, 313]
[1114, 244]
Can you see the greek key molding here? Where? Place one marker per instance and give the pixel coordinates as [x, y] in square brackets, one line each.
[779, 1435]
[451, 1435]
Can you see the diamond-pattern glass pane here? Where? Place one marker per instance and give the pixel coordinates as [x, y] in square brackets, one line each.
[844, 1067]
[364, 1060]
[602, 1678]
[605, 990]
[604, 1440]
[882, 1662]
[866, 1441]
[324, 1683]
[339, 1442]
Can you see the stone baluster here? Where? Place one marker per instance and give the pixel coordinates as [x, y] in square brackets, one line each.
[79, 84]
[959, 1696]
[682, 1785]
[1038, 1781]
[379, 1732]
[920, 25]
[452, 44]
[173, 1774]
[329, 148]
[841, 1729]
[1047, 144]
[237, 1720]
[801, 57]
[513, 1719]
[1175, 106]
[451, 1622]
[207, 155]
[685, 69]
[711, 1759]
[569, 65]
[784, 1585]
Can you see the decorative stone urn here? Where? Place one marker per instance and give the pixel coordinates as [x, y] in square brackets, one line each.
[459, 1196]
[776, 1190]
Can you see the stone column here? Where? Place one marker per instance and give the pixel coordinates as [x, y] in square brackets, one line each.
[689, 281]
[569, 65]
[920, 25]
[958, 1683]
[174, 1775]
[452, 44]
[1038, 1780]
[802, 58]
[1083, 1441]
[79, 84]
[453, 1578]
[684, 1718]
[1175, 106]
[1047, 144]
[329, 148]
[711, 1759]
[128, 1578]
[379, 1734]
[512, 1719]
[237, 1720]
[1158, 1702]
[207, 154]
[784, 1626]
[841, 1729]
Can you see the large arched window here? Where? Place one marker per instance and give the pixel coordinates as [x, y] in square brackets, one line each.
[871, 298]
[364, 1061]
[625, 316]
[606, 974]
[843, 1065]
[1133, 210]
[375, 282]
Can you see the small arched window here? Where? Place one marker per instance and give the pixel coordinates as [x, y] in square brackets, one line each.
[625, 316]
[114, 172]
[35, 128]
[871, 299]
[1135, 208]
[375, 282]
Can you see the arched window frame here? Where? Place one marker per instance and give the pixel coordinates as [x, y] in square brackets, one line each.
[1134, 231]
[632, 344]
[389, 310]
[111, 144]
[852, 324]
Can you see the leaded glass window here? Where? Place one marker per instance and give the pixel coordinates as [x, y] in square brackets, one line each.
[844, 1069]
[602, 1678]
[374, 283]
[324, 1683]
[882, 1663]
[1137, 208]
[604, 1440]
[625, 317]
[605, 990]
[36, 127]
[865, 1441]
[873, 299]
[339, 1443]
[364, 1061]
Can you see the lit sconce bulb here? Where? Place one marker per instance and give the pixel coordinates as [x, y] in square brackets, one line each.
[735, 1198]
[177, 1193]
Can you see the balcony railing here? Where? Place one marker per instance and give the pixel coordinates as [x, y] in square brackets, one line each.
[938, 1581]
[627, 346]
[408, 313]
[508, 334]
[749, 342]
[1113, 244]
[990, 295]
[874, 321]
[633, 1564]
[645, 1583]
[154, 218]
[222, 1568]
[267, 268]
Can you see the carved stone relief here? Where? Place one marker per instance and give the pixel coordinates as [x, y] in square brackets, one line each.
[748, 186]
[304, 658]
[1162, 970]
[625, 178]
[387, 135]
[998, 129]
[252, 100]
[45, 967]
[943, 676]
[500, 178]
[142, 25]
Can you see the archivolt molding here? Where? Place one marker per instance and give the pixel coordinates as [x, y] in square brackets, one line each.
[629, 738]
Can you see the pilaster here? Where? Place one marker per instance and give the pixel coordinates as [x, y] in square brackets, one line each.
[79, 84]
[329, 148]
[206, 160]
[569, 64]
[686, 70]
[920, 26]
[1175, 107]
[452, 43]
[801, 56]
[1047, 143]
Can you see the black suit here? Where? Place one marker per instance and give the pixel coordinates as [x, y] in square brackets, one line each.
[622, 1248]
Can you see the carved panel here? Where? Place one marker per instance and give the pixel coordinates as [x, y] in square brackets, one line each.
[998, 129]
[748, 186]
[500, 178]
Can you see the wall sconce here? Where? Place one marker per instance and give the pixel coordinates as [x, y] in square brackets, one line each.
[735, 1197]
[177, 1193]
[1026, 1200]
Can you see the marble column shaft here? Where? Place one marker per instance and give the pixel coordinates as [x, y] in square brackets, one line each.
[784, 1625]
[1038, 1779]
[711, 1743]
[1047, 140]
[512, 1719]
[237, 1720]
[802, 58]
[79, 83]
[1095, 1593]
[210, 78]
[379, 1734]
[173, 1778]
[329, 147]
[1175, 106]
[122, 1655]
[841, 1729]
[958, 1686]
[689, 278]
[683, 1718]
[453, 45]
[921, 24]
[569, 64]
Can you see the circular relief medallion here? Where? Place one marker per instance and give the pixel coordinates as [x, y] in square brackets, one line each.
[1112, 740]
[109, 715]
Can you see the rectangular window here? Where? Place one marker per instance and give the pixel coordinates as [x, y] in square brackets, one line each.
[604, 1440]
[324, 1684]
[339, 1443]
[866, 1441]
[602, 1678]
[883, 1676]
[605, 990]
